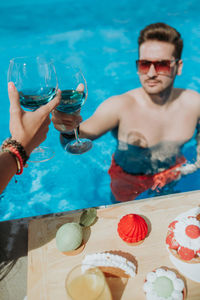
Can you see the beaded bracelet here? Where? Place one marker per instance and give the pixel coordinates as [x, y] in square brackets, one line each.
[16, 159]
[17, 154]
[18, 147]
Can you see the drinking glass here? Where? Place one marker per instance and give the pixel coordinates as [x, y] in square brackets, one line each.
[36, 81]
[73, 86]
[87, 282]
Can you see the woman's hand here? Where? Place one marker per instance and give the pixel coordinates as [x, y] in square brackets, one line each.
[29, 128]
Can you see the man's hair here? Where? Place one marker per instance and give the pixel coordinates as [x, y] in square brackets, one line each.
[163, 33]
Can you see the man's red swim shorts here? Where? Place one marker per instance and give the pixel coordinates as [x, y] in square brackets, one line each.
[127, 186]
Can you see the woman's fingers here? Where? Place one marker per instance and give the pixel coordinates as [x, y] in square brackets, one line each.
[50, 106]
[15, 108]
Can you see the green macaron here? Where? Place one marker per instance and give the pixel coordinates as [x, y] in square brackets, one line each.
[69, 237]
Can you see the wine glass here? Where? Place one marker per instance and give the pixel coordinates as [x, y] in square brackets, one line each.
[87, 282]
[73, 86]
[36, 81]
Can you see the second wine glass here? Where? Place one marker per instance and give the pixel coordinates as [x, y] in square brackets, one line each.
[73, 85]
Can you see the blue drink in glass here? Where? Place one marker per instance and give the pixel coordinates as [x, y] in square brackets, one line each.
[71, 101]
[34, 98]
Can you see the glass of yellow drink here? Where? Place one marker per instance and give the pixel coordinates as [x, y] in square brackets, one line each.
[87, 282]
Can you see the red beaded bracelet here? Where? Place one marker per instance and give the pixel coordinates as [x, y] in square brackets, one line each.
[18, 156]
[15, 158]
[11, 142]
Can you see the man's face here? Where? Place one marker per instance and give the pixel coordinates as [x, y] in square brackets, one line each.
[153, 82]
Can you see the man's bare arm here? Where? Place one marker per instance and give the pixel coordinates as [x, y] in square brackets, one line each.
[104, 119]
[191, 168]
[197, 163]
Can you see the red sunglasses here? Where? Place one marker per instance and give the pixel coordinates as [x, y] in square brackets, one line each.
[161, 66]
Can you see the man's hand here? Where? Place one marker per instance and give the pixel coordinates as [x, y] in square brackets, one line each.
[29, 128]
[65, 122]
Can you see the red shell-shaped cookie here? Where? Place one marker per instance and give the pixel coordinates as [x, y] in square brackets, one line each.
[185, 253]
[170, 240]
[172, 225]
[132, 228]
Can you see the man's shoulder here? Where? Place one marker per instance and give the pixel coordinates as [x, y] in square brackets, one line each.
[124, 97]
[189, 98]
[187, 93]
[129, 93]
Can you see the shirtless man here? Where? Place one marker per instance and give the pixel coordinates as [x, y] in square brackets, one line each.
[153, 122]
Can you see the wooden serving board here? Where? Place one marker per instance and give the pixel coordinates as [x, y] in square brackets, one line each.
[48, 268]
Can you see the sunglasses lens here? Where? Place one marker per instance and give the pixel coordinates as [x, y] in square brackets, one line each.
[143, 66]
[162, 67]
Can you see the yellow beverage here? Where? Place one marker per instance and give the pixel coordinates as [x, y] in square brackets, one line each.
[89, 286]
[106, 295]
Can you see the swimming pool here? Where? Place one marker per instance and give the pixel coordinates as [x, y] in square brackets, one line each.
[101, 37]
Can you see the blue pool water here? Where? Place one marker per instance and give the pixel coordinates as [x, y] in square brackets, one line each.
[100, 37]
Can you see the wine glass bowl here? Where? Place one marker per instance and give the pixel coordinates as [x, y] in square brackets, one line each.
[35, 79]
[74, 93]
[87, 282]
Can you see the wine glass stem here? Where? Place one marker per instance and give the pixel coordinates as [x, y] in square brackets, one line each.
[76, 136]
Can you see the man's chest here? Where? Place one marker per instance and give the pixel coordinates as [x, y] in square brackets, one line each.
[148, 127]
